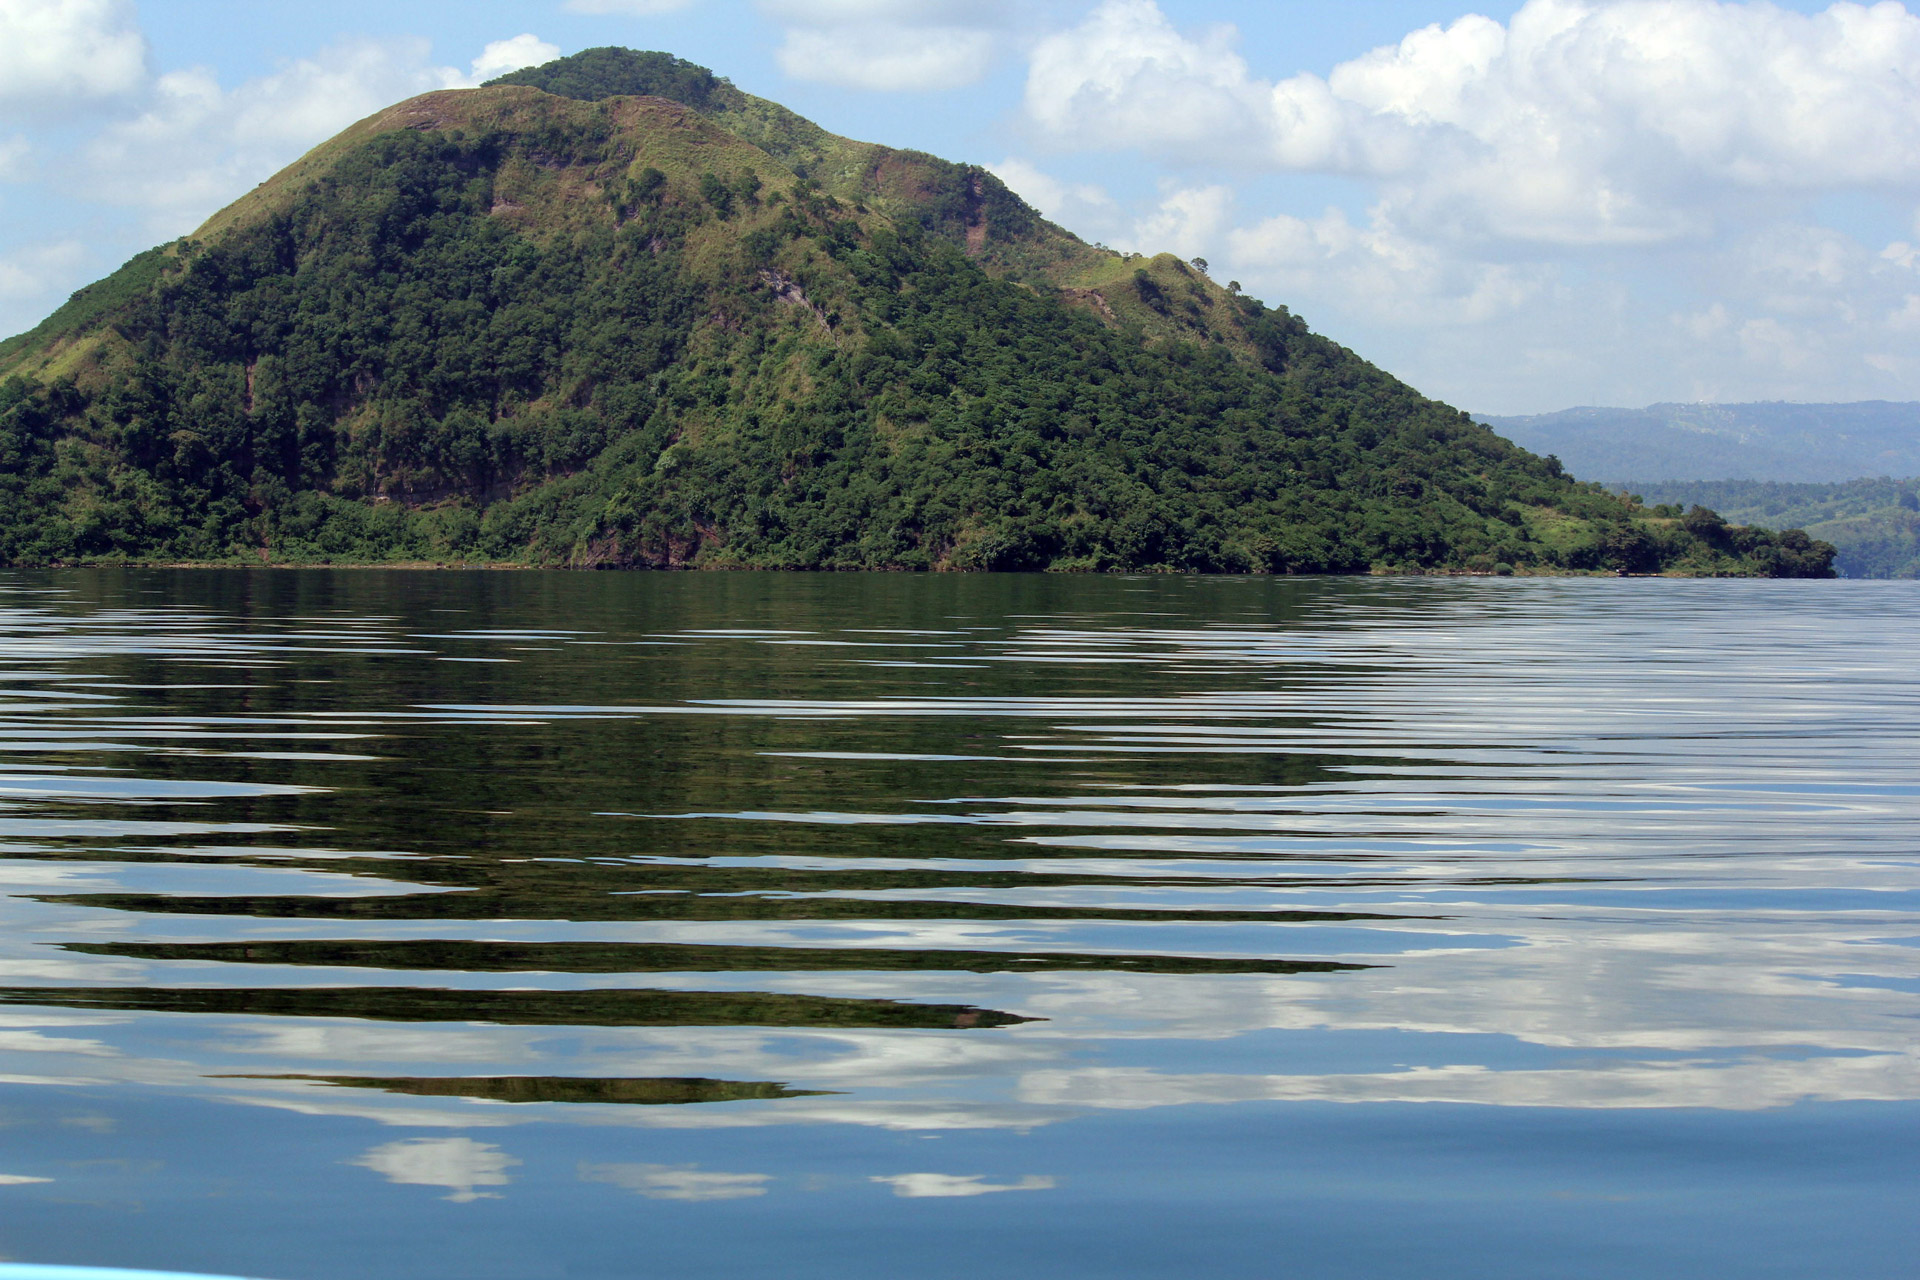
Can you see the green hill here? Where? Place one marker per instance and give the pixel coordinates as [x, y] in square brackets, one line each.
[615, 312]
[1874, 524]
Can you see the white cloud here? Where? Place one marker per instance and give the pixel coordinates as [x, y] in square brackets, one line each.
[915, 1186]
[1383, 273]
[903, 12]
[1594, 202]
[40, 269]
[503, 56]
[1752, 1085]
[1075, 205]
[197, 146]
[677, 1182]
[67, 49]
[887, 58]
[1578, 123]
[887, 45]
[1125, 77]
[630, 8]
[460, 1164]
[1188, 221]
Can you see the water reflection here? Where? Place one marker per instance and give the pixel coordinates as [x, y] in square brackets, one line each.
[657, 1092]
[459, 1163]
[921, 1186]
[677, 1182]
[931, 859]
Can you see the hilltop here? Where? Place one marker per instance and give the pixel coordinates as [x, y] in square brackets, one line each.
[614, 311]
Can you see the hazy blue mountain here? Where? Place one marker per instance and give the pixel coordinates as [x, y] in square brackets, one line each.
[1770, 441]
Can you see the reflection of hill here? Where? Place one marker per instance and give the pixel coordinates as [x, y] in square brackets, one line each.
[604, 957]
[642, 1091]
[617, 1008]
[560, 906]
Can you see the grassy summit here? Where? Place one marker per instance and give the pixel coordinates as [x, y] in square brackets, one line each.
[613, 311]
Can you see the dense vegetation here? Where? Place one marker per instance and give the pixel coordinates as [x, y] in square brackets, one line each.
[504, 325]
[593, 75]
[1875, 524]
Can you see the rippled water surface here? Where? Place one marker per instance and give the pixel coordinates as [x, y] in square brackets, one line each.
[523, 925]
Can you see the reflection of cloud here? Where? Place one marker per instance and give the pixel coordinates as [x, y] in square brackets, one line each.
[916, 1186]
[467, 1116]
[459, 1163]
[34, 1042]
[677, 1181]
[321, 1043]
[1729, 954]
[18, 1180]
[92, 1123]
[1739, 1086]
[27, 1016]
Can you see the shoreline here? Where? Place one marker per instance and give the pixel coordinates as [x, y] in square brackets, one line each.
[511, 566]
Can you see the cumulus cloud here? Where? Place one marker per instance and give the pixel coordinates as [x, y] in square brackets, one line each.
[503, 56]
[1127, 77]
[61, 50]
[196, 146]
[1187, 221]
[887, 45]
[39, 269]
[917, 1186]
[1599, 200]
[1386, 274]
[677, 1182]
[630, 8]
[1069, 203]
[1577, 123]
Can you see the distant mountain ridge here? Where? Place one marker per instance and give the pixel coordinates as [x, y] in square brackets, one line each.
[1774, 440]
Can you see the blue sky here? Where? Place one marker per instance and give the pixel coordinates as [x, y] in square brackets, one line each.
[1517, 207]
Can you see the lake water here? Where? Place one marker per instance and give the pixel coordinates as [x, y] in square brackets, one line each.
[463, 925]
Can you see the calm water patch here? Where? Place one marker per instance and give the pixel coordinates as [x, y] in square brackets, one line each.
[450, 925]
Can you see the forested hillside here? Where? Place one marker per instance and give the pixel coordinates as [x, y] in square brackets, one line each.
[615, 312]
[1874, 524]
